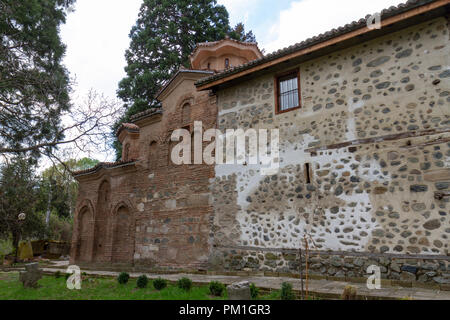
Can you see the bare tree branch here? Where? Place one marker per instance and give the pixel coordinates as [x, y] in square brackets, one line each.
[86, 127]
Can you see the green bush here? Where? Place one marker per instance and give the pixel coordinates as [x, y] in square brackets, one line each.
[159, 284]
[142, 281]
[254, 291]
[6, 248]
[67, 275]
[57, 274]
[123, 278]
[185, 284]
[59, 228]
[286, 291]
[216, 288]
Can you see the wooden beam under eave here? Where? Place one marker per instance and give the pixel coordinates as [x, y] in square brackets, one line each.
[390, 137]
[362, 31]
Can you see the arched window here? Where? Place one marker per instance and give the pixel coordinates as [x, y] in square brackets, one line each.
[153, 154]
[123, 236]
[126, 152]
[85, 233]
[227, 63]
[186, 113]
[101, 221]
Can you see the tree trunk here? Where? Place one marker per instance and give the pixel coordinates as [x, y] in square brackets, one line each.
[70, 202]
[49, 202]
[16, 240]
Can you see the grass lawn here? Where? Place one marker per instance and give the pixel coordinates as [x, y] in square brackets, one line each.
[52, 288]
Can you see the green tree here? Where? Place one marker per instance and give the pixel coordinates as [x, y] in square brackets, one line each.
[34, 84]
[58, 189]
[162, 39]
[238, 33]
[18, 194]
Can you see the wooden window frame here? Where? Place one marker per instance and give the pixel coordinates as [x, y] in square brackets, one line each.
[308, 173]
[295, 72]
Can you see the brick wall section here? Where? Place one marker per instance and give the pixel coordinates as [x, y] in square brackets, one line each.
[157, 213]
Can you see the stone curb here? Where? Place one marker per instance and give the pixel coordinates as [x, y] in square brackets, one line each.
[384, 282]
[313, 293]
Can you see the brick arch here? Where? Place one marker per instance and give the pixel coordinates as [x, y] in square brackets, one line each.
[126, 152]
[184, 108]
[186, 113]
[123, 232]
[186, 98]
[101, 221]
[85, 234]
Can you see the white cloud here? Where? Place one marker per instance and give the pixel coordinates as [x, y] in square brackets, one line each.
[96, 35]
[308, 18]
[239, 10]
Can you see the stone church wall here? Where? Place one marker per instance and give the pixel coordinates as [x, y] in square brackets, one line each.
[374, 128]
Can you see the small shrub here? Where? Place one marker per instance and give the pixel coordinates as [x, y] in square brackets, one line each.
[286, 291]
[6, 247]
[57, 274]
[185, 284]
[67, 275]
[159, 284]
[142, 282]
[254, 291]
[216, 288]
[349, 293]
[123, 278]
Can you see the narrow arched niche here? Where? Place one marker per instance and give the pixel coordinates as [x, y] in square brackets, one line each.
[153, 155]
[84, 235]
[101, 221]
[123, 236]
[126, 152]
[186, 113]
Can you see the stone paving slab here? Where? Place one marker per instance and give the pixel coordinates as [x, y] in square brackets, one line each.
[321, 288]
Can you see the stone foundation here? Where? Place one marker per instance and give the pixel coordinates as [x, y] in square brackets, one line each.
[338, 266]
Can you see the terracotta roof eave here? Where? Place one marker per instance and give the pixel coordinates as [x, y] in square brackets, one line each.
[130, 127]
[334, 33]
[146, 114]
[153, 111]
[164, 87]
[103, 165]
[212, 43]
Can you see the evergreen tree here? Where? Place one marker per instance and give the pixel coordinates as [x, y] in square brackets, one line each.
[238, 33]
[162, 39]
[34, 85]
[58, 189]
[18, 194]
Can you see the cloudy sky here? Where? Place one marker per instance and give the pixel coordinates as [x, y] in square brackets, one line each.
[96, 33]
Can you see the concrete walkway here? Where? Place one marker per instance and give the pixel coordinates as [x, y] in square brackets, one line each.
[325, 289]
